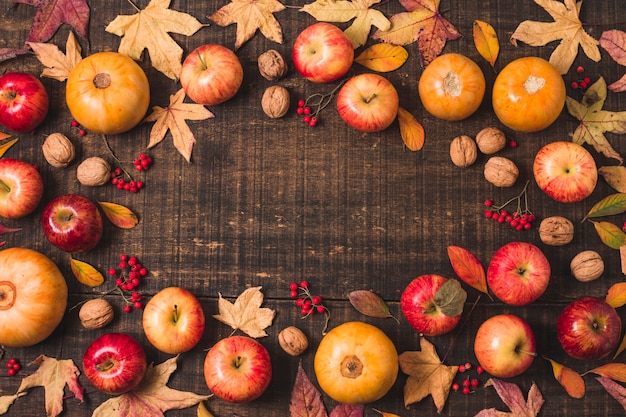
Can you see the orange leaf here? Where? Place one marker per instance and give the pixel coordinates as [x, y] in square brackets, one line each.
[571, 380]
[468, 268]
[616, 296]
[486, 41]
[621, 348]
[383, 57]
[6, 146]
[4, 136]
[615, 371]
[411, 130]
[385, 414]
[119, 215]
[85, 273]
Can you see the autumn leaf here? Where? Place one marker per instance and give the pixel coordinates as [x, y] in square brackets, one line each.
[610, 234]
[6, 146]
[306, 400]
[486, 41]
[616, 296]
[468, 268]
[250, 16]
[173, 118]
[512, 396]
[608, 206]
[614, 389]
[152, 397]
[566, 27]
[614, 42]
[383, 57]
[427, 375]
[10, 53]
[571, 380]
[411, 130]
[385, 414]
[594, 121]
[119, 215]
[620, 348]
[85, 273]
[615, 176]
[343, 11]
[422, 23]
[58, 65]
[7, 401]
[51, 14]
[203, 411]
[149, 29]
[246, 313]
[615, 371]
[4, 136]
[370, 304]
[347, 410]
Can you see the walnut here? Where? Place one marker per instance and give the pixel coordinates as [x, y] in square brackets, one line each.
[490, 140]
[96, 313]
[272, 65]
[94, 171]
[587, 266]
[58, 150]
[501, 171]
[275, 102]
[293, 340]
[556, 231]
[463, 151]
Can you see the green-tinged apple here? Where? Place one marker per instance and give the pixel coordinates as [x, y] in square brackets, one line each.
[72, 223]
[21, 188]
[238, 369]
[368, 102]
[114, 363]
[173, 320]
[505, 345]
[211, 74]
[433, 304]
[23, 101]
[518, 273]
[565, 171]
[589, 328]
[322, 53]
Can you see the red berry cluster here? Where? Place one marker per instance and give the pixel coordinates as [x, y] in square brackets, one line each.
[468, 382]
[582, 84]
[119, 180]
[307, 302]
[143, 162]
[81, 131]
[310, 108]
[305, 110]
[13, 367]
[520, 219]
[128, 274]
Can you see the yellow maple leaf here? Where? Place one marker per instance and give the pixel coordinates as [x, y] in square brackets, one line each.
[566, 27]
[173, 118]
[246, 313]
[149, 29]
[58, 65]
[343, 11]
[250, 16]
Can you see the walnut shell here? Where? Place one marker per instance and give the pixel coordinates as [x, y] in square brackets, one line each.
[96, 313]
[501, 171]
[463, 151]
[94, 171]
[272, 65]
[490, 140]
[58, 150]
[276, 101]
[587, 266]
[556, 231]
[293, 340]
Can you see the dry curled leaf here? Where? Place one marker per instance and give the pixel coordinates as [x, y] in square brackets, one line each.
[306, 400]
[468, 268]
[614, 42]
[616, 296]
[119, 215]
[51, 14]
[86, 273]
[58, 65]
[411, 130]
[572, 382]
[246, 313]
[486, 41]
[566, 28]
[614, 370]
[610, 234]
[614, 389]
[382, 57]
[370, 304]
[6, 146]
[512, 396]
[173, 118]
[615, 177]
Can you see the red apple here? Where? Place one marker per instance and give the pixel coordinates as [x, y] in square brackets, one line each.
[238, 369]
[518, 273]
[505, 345]
[114, 363]
[21, 188]
[589, 328]
[565, 171]
[433, 304]
[322, 53]
[23, 101]
[368, 102]
[173, 320]
[72, 223]
[211, 74]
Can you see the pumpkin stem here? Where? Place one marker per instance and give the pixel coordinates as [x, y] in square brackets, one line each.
[351, 366]
[7, 295]
[102, 81]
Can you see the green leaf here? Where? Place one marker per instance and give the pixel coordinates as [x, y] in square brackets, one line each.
[611, 235]
[369, 303]
[450, 298]
[608, 206]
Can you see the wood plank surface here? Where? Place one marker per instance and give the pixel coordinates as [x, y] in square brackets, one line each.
[265, 202]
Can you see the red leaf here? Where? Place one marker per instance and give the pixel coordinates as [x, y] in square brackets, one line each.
[346, 410]
[512, 396]
[9, 53]
[370, 304]
[51, 14]
[614, 389]
[306, 400]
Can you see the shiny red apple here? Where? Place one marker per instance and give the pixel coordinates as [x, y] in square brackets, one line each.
[21, 188]
[23, 101]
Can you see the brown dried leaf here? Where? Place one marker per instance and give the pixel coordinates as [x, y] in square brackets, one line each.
[149, 29]
[306, 400]
[369, 303]
[6, 146]
[7, 401]
[616, 296]
[246, 313]
[51, 14]
[512, 396]
[58, 65]
[566, 27]
[152, 397]
[614, 389]
[347, 410]
[411, 130]
[571, 380]
[615, 176]
[383, 57]
[119, 215]
[85, 273]
[614, 42]
[615, 371]
[468, 268]
[173, 118]
[427, 375]
[486, 41]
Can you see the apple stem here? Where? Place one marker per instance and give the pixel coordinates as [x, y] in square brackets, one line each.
[5, 186]
[175, 313]
[527, 352]
[105, 366]
[370, 98]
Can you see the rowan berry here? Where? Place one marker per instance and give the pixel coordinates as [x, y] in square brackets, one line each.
[480, 369]
[468, 366]
[301, 103]
[455, 386]
[127, 308]
[466, 390]
[475, 383]
[293, 286]
[320, 309]
[488, 202]
[466, 382]
[112, 271]
[461, 368]
[294, 294]
[11, 372]
[317, 300]
[137, 305]
[74, 123]
[513, 144]
[575, 85]
[580, 69]
[304, 284]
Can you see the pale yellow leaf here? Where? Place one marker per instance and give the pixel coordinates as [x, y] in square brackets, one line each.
[203, 411]
[616, 296]
[85, 273]
[57, 65]
[615, 176]
[383, 57]
[486, 41]
[411, 130]
[246, 313]
[7, 401]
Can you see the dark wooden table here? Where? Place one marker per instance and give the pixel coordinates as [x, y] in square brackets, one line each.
[267, 202]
